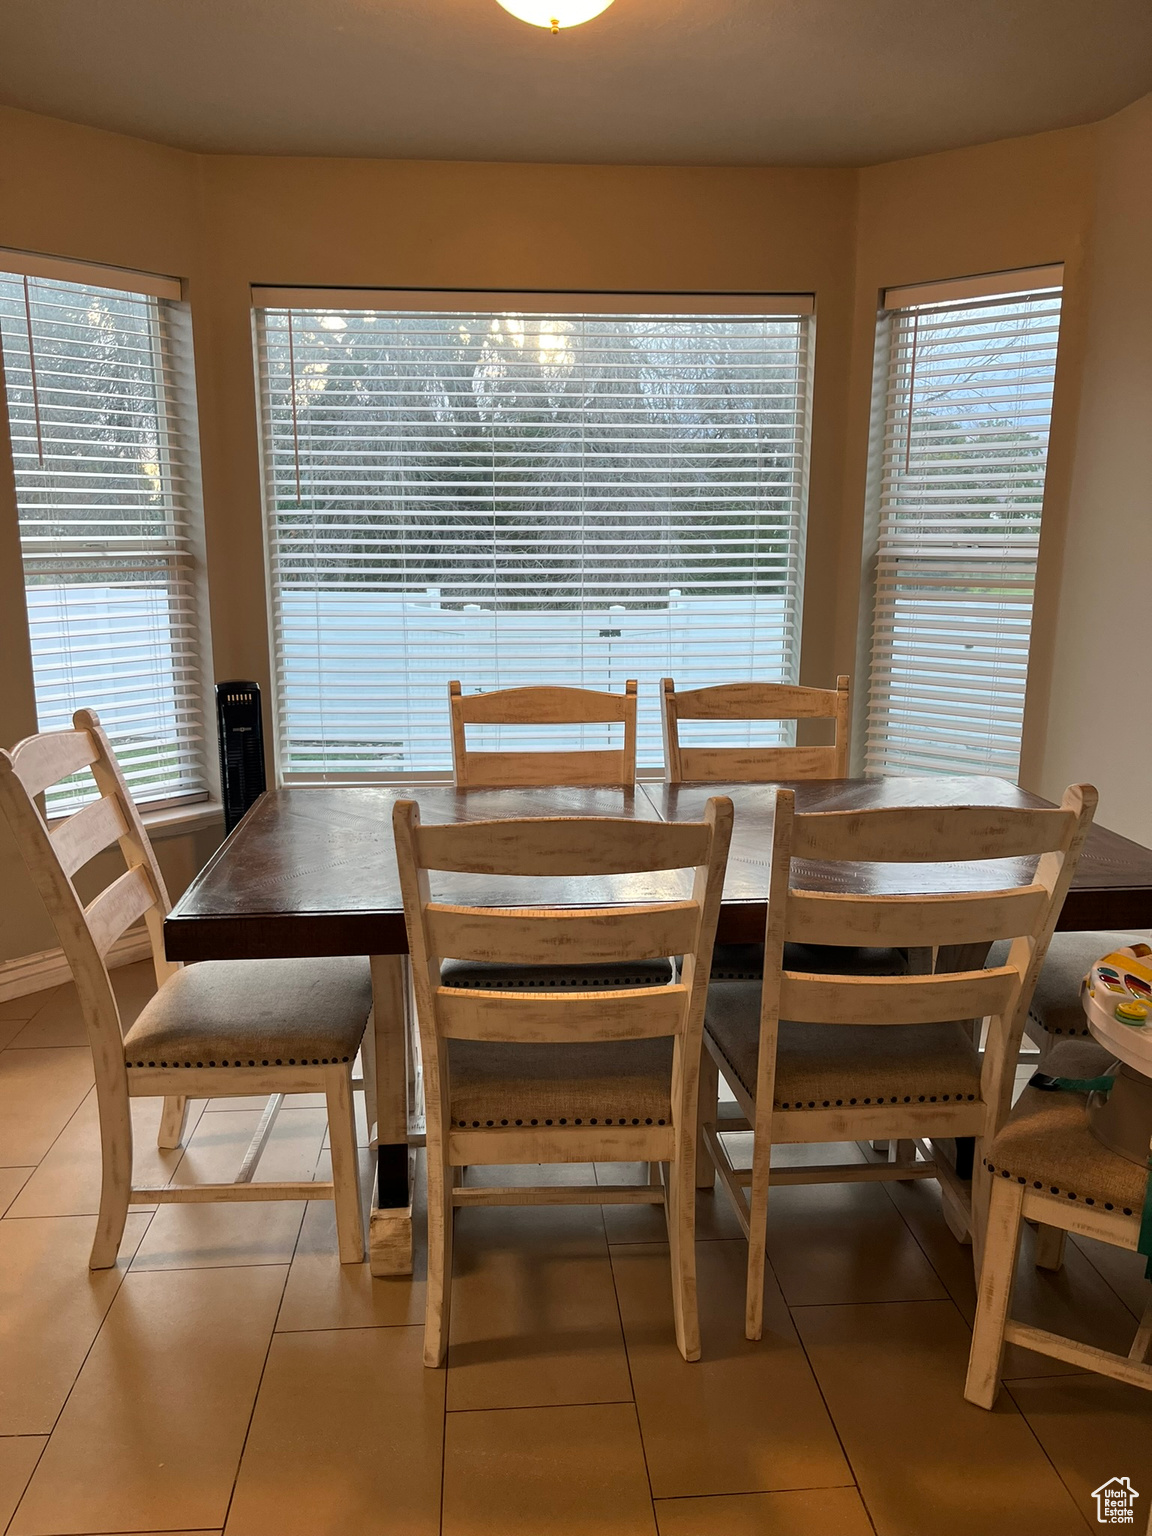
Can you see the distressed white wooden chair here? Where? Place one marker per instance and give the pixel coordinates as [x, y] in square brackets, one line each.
[547, 706]
[1046, 1166]
[538, 706]
[824, 1057]
[756, 765]
[708, 764]
[561, 1076]
[222, 1028]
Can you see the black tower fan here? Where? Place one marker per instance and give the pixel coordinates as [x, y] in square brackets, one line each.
[241, 730]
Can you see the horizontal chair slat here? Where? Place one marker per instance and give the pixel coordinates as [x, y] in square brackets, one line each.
[88, 833]
[812, 999]
[641, 1013]
[544, 705]
[518, 770]
[44, 760]
[930, 834]
[594, 936]
[561, 1144]
[916, 921]
[118, 906]
[756, 701]
[563, 845]
[761, 763]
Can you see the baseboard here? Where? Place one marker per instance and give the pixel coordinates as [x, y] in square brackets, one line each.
[36, 973]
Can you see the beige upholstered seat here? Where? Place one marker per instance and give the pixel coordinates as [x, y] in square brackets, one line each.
[1046, 1143]
[825, 1066]
[1055, 1009]
[745, 962]
[1046, 1166]
[491, 976]
[254, 1013]
[611, 1082]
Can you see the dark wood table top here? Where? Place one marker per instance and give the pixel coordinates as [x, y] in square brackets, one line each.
[312, 871]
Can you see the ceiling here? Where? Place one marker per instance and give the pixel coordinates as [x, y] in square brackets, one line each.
[710, 82]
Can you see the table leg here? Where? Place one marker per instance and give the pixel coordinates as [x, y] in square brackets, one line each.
[390, 1222]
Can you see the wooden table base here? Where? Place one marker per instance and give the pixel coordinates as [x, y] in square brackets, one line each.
[390, 1221]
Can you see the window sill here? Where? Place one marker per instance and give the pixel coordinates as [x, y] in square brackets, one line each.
[178, 820]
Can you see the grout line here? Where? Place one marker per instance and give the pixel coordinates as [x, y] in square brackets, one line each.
[597, 1402]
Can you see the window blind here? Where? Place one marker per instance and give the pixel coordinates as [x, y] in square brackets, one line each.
[963, 436]
[103, 435]
[522, 497]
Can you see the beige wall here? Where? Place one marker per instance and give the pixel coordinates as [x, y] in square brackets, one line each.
[1099, 724]
[223, 223]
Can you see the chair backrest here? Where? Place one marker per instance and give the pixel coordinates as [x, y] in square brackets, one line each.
[570, 848]
[542, 706]
[1020, 901]
[55, 851]
[754, 701]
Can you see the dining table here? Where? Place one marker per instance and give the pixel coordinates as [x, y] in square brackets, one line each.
[311, 871]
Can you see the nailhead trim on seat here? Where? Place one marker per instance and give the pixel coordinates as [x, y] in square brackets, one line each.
[561, 1120]
[1054, 1189]
[924, 1098]
[316, 1061]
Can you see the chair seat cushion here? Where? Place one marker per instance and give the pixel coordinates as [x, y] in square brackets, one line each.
[1055, 1006]
[1047, 1144]
[254, 1013]
[613, 1082]
[745, 962]
[490, 975]
[824, 1066]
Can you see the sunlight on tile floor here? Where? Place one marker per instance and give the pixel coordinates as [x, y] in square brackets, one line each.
[229, 1376]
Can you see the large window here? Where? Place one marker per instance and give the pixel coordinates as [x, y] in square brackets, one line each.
[962, 438]
[511, 496]
[102, 445]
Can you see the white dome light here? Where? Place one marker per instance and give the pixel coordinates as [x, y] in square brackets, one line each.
[555, 14]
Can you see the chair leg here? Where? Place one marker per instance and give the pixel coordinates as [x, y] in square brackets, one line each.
[707, 1106]
[680, 1208]
[757, 1237]
[1049, 1250]
[438, 1290]
[979, 1201]
[345, 1165]
[368, 1073]
[173, 1118]
[1001, 1242]
[116, 1178]
[1141, 1350]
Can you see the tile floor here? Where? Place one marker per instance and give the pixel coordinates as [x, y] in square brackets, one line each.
[229, 1376]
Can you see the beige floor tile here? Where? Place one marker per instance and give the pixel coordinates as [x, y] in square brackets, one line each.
[715, 1218]
[1074, 1300]
[539, 1471]
[51, 1308]
[40, 1091]
[1093, 1429]
[346, 1437]
[924, 1459]
[215, 1233]
[805, 1512]
[831, 1243]
[60, 1023]
[67, 1182]
[18, 1457]
[745, 1418]
[322, 1293]
[152, 1433]
[21, 1009]
[1123, 1270]
[534, 1314]
[12, 1181]
[9, 1029]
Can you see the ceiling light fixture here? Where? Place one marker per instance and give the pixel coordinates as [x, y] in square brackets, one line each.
[555, 14]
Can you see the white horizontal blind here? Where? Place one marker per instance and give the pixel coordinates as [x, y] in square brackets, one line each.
[514, 498]
[964, 451]
[102, 442]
